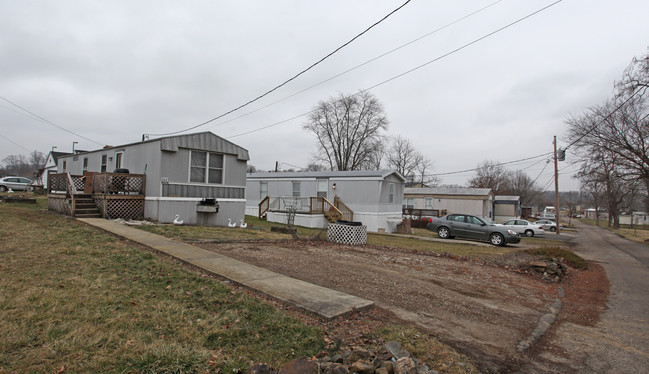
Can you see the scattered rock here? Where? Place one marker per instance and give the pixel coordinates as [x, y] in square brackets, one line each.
[553, 270]
[361, 361]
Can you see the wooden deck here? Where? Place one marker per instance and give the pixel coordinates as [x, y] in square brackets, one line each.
[107, 195]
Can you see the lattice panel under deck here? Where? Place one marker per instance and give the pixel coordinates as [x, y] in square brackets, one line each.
[346, 234]
[121, 208]
[59, 205]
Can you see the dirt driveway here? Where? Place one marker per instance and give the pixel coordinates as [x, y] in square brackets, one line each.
[482, 310]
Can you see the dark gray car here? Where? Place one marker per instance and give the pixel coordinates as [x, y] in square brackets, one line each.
[472, 227]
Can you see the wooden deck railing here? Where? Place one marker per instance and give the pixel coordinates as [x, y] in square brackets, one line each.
[118, 183]
[306, 205]
[419, 213]
[344, 209]
[264, 206]
[65, 183]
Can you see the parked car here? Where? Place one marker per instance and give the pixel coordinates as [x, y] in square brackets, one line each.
[15, 184]
[548, 225]
[524, 227]
[549, 216]
[472, 227]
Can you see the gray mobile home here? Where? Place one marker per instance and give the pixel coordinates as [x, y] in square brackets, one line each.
[185, 175]
[373, 197]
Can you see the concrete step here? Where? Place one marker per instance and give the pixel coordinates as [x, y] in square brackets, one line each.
[88, 215]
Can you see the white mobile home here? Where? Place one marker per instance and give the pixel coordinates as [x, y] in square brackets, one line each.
[475, 201]
[373, 197]
[182, 172]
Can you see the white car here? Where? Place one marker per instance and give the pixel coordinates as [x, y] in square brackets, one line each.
[524, 227]
[15, 184]
[547, 224]
[549, 216]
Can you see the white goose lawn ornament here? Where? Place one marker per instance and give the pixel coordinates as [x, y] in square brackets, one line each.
[243, 225]
[231, 224]
[177, 220]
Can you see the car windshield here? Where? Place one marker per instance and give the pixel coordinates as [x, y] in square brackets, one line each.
[487, 220]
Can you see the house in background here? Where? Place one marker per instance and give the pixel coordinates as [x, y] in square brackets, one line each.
[373, 197]
[506, 208]
[474, 201]
[182, 172]
[48, 168]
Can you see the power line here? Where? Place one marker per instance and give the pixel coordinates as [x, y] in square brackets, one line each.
[11, 141]
[46, 121]
[596, 125]
[290, 79]
[360, 65]
[418, 67]
[500, 164]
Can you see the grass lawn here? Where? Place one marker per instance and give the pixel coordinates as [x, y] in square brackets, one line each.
[73, 299]
[260, 230]
[637, 233]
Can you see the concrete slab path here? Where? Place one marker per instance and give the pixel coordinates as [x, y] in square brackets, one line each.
[322, 301]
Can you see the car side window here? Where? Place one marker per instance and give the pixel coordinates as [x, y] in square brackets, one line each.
[511, 222]
[457, 218]
[521, 223]
[474, 220]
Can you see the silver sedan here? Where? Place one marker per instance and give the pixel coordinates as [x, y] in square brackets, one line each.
[524, 227]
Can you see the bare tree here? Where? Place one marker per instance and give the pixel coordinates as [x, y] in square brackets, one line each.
[423, 169]
[635, 77]
[518, 183]
[615, 131]
[403, 157]
[315, 167]
[348, 130]
[490, 174]
[37, 159]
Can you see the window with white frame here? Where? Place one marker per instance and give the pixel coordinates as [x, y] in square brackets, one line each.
[296, 189]
[428, 203]
[104, 162]
[323, 186]
[205, 167]
[409, 203]
[118, 160]
[85, 164]
[263, 190]
[391, 189]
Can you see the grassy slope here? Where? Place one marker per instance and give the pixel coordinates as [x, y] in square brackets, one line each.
[638, 233]
[72, 299]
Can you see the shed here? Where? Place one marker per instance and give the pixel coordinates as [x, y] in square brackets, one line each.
[506, 208]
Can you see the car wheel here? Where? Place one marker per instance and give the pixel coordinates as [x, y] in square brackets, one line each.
[3, 189]
[529, 233]
[497, 239]
[443, 233]
[553, 229]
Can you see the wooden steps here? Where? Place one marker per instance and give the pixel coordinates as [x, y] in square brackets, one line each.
[85, 207]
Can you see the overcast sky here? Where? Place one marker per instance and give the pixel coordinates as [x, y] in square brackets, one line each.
[110, 71]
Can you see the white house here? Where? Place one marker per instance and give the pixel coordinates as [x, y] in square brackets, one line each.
[49, 168]
[373, 197]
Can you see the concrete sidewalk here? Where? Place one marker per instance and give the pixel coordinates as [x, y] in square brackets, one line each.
[319, 300]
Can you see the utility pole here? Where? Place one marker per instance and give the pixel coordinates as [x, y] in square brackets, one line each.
[556, 187]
